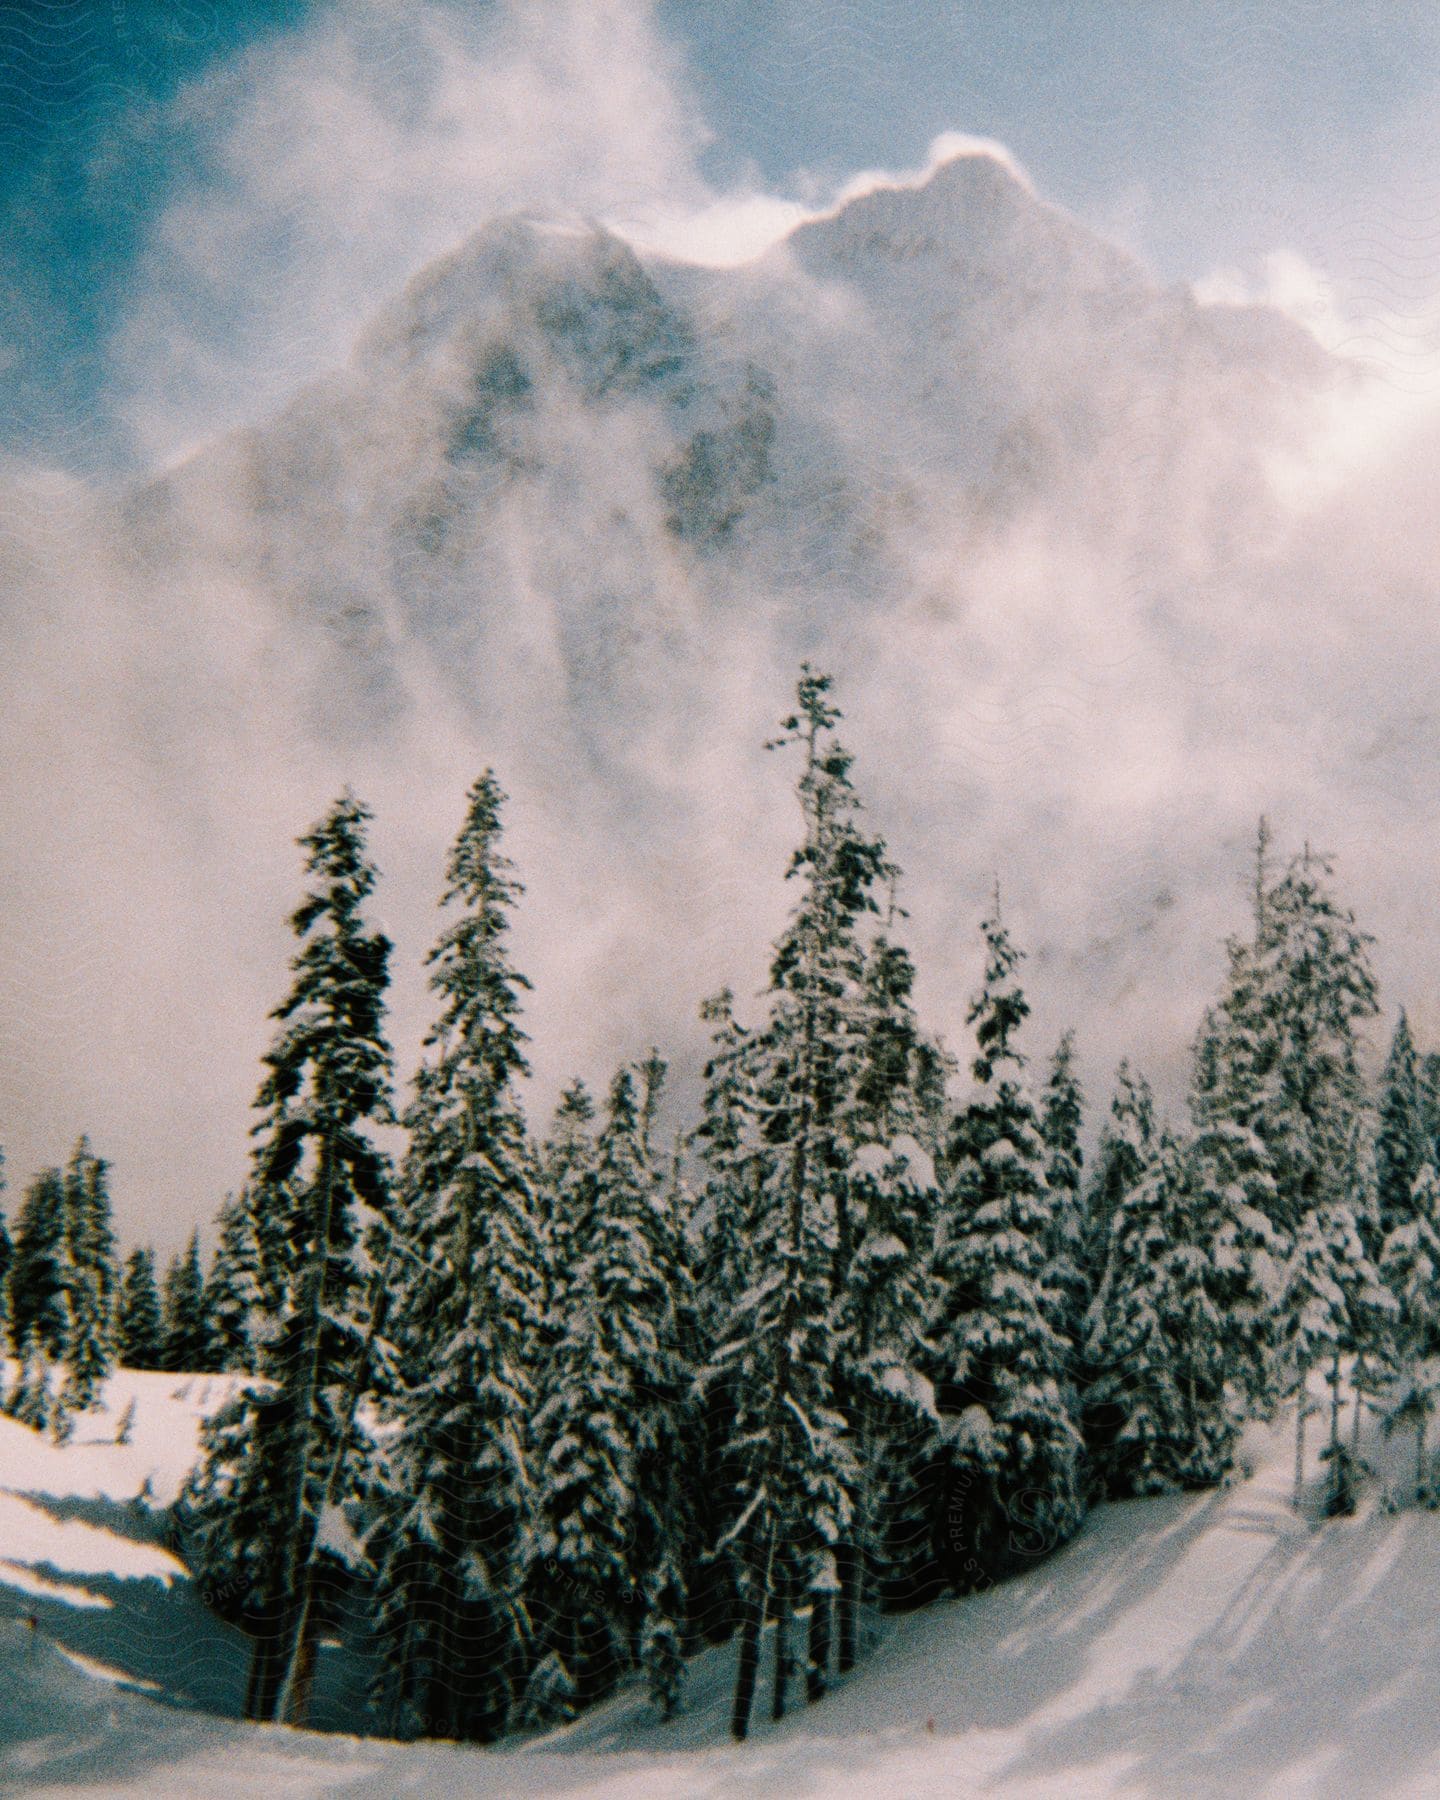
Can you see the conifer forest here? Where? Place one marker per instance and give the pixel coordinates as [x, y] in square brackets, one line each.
[529, 1409]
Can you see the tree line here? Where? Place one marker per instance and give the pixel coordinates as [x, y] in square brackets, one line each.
[553, 1410]
[70, 1310]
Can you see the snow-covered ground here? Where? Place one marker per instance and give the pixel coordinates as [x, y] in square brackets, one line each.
[1219, 1645]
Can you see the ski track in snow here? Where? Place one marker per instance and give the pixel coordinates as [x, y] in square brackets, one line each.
[1217, 1644]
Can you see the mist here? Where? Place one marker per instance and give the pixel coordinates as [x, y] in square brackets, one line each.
[1103, 568]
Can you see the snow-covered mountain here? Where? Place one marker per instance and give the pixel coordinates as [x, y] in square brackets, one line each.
[578, 511]
[648, 455]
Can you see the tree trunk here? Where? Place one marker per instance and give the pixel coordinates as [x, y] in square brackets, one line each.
[303, 1678]
[847, 1606]
[1336, 1474]
[752, 1618]
[817, 1665]
[1301, 1413]
[782, 1648]
[268, 1665]
[1358, 1377]
[259, 1686]
[1420, 1456]
[746, 1669]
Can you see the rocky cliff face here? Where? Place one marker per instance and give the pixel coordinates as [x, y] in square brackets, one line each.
[553, 462]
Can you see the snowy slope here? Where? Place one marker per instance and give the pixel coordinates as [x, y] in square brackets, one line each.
[1216, 1645]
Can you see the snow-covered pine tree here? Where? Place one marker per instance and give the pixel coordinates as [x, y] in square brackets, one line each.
[1318, 963]
[1009, 1449]
[277, 1459]
[1062, 1115]
[565, 1189]
[1157, 1338]
[1124, 1152]
[94, 1281]
[30, 1401]
[235, 1307]
[1410, 1269]
[1402, 1136]
[725, 1221]
[1319, 976]
[1373, 1313]
[667, 1546]
[329, 1085]
[141, 1332]
[1332, 1293]
[1125, 1159]
[40, 1273]
[1386, 1161]
[1430, 1096]
[1277, 1094]
[187, 1339]
[669, 1575]
[795, 1466]
[456, 1495]
[1232, 1087]
[888, 1296]
[732, 1153]
[607, 1583]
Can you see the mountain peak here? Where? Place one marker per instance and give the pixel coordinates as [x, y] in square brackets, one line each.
[972, 213]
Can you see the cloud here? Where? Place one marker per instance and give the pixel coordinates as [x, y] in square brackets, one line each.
[738, 227]
[334, 162]
[1103, 572]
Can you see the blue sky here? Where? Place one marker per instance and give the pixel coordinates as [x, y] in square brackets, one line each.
[1201, 134]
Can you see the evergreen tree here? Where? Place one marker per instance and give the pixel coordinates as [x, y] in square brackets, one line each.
[1062, 1111]
[1331, 1288]
[733, 1155]
[1430, 1098]
[1318, 974]
[236, 1306]
[724, 1224]
[40, 1273]
[1373, 1313]
[141, 1333]
[887, 1293]
[565, 1165]
[1157, 1337]
[1277, 1093]
[458, 1486]
[186, 1335]
[93, 1278]
[1010, 1448]
[1124, 1153]
[1235, 1053]
[608, 1580]
[1402, 1138]
[795, 1467]
[30, 1401]
[669, 1567]
[278, 1462]
[1410, 1267]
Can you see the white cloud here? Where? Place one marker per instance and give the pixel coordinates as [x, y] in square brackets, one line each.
[1091, 669]
[337, 161]
[947, 147]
